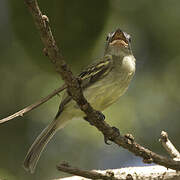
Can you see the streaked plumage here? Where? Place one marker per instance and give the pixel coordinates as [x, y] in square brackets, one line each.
[102, 83]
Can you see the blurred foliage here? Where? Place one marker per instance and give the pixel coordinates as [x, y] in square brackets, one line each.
[76, 27]
[150, 105]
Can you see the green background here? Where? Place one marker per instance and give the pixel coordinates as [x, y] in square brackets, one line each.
[151, 104]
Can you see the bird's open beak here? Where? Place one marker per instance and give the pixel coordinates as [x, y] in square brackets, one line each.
[119, 39]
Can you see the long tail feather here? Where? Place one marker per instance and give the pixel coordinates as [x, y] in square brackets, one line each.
[38, 146]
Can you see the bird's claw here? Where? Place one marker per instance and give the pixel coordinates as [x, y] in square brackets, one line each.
[106, 139]
[115, 134]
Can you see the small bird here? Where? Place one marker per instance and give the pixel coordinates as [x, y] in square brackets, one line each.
[102, 82]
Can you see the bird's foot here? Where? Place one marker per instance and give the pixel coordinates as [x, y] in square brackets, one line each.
[115, 134]
[106, 139]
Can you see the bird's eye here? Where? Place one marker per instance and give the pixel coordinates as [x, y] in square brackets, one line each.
[108, 36]
[128, 37]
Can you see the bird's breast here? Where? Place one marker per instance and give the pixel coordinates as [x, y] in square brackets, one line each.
[108, 90]
[128, 64]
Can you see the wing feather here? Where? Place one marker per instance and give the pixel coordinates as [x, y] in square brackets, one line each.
[88, 76]
[96, 71]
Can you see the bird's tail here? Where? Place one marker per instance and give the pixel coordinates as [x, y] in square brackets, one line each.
[38, 146]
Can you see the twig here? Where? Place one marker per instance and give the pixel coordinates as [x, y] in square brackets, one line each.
[169, 147]
[85, 173]
[74, 89]
[130, 173]
[51, 49]
[33, 106]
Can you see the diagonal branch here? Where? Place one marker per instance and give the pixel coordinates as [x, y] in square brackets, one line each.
[74, 89]
[33, 106]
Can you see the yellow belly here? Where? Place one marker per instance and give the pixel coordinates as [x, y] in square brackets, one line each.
[104, 93]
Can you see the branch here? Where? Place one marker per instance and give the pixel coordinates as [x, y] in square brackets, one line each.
[84, 173]
[74, 89]
[169, 147]
[33, 106]
[131, 173]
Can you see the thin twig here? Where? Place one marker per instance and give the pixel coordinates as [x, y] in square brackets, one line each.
[74, 89]
[33, 106]
[168, 146]
[85, 173]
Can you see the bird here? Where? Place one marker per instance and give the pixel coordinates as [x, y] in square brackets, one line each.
[103, 83]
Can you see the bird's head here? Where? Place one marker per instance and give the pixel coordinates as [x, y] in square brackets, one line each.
[118, 43]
